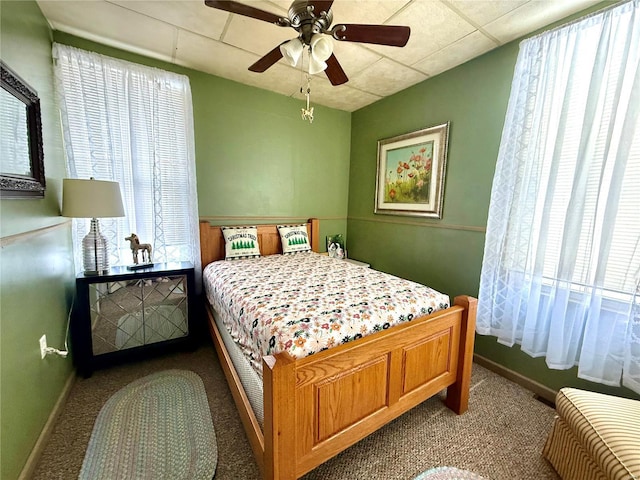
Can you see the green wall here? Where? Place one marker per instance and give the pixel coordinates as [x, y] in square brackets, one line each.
[444, 253]
[36, 272]
[256, 159]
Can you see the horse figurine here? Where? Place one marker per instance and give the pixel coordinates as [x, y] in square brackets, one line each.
[136, 246]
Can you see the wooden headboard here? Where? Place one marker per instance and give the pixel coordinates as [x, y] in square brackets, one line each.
[212, 240]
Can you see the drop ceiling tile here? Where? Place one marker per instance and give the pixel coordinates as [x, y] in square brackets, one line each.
[204, 54]
[275, 5]
[272, 6]
[192, 15]
[211, 56]
[365, 11]
[351, 100]
[358, 11]
[342, 97]
[278, 78]
[473, 45]
[112, 25]
[481, 12]
[533, 15]
[434, 26]
[386, 77]
[256, 36]
[354, 58]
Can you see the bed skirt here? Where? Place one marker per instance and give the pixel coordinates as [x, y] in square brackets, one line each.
[251, 381]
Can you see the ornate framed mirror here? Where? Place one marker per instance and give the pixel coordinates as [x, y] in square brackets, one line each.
[21, 154]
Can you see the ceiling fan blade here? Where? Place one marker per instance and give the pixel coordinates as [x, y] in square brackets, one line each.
[396, 36]
[267, 61]
[246, 10]
[334, 71]
[320, 5]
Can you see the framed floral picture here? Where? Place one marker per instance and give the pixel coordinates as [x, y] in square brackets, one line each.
[411, 172]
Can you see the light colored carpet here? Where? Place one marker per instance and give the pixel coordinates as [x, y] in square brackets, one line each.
[500, 437]
[158, 427]
[448, 473]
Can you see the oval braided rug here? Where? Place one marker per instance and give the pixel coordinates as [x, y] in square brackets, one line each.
[158, 427]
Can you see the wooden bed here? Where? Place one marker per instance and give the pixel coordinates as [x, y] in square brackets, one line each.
[319, 405]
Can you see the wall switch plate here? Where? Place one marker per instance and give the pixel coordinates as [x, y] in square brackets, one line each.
[43, 346]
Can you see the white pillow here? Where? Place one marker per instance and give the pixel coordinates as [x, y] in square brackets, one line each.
[294, 238]
[240, 242]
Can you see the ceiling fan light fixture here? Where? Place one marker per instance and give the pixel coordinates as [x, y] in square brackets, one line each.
[292, 51]
[316, 65]
[321, 47]
[312, 19]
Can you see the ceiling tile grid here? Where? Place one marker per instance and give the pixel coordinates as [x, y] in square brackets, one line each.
[444, 34]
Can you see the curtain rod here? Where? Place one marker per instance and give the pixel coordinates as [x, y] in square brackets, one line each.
[581, 19]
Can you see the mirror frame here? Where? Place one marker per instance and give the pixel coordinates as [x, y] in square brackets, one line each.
[25, 186]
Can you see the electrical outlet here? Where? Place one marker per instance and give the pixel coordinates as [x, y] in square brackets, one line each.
[43, 346]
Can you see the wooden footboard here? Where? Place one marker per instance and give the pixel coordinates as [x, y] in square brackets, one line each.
[317, 406]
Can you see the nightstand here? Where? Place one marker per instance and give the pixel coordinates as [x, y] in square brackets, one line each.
[129, 314]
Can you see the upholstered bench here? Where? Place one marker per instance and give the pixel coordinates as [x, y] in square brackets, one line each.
[594, 436]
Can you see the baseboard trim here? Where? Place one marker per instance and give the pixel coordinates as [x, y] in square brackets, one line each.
[537, 388]
[34, 457]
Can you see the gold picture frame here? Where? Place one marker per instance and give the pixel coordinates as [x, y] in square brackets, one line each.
[411, 173]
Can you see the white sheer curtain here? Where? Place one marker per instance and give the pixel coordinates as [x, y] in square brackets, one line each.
[562, 253]
[132, 124]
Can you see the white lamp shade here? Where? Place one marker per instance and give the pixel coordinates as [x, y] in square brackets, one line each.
[316, 66]
[91, 198]
[292, 51]
[321, 47]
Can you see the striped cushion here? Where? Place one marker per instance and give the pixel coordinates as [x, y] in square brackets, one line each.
[608, 428]
[568, 456]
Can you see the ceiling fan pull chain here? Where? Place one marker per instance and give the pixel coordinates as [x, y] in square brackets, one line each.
[307, 113]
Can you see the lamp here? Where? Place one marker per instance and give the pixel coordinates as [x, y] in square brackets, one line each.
[321, 48]
[316, 66]
[292, 51]
[92, 199]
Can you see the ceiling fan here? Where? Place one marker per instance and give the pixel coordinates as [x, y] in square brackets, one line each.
[312, 20]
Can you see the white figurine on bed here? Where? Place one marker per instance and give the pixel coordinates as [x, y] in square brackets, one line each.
[333, 250]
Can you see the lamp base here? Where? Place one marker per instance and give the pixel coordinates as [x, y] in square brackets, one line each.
[95, 253]
[93, 273]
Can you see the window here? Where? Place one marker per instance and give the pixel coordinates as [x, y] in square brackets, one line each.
[561, 266]
[132, 124]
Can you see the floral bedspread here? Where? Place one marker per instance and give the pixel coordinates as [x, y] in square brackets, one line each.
[305, 303]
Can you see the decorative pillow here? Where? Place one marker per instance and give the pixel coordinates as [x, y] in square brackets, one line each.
[240, 242]
[294, 238]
